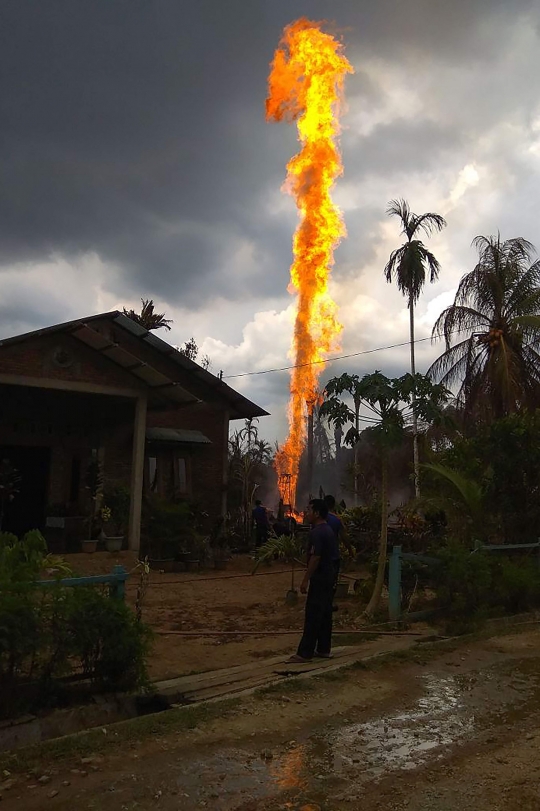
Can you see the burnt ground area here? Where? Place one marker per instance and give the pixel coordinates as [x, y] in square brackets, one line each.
[434, 730]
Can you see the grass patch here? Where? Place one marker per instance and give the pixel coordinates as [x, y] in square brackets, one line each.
[120, 735]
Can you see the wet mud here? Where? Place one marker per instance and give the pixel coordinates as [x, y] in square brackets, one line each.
[332, 765]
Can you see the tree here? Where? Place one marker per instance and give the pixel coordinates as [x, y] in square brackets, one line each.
[191, 350]
[502, 459]
[497, 365]
[351, 385]
[247, 456]
[391, 401]
[408, 265]
[147, 318]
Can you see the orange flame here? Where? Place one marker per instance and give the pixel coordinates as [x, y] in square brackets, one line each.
[306, 85]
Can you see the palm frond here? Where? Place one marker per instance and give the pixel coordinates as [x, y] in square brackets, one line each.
[456, 319]
[470, 492]
[429, 222]
[399, 208]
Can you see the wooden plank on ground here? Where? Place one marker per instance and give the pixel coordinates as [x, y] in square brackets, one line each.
[229, 681]
[190, 684]
[230, 689]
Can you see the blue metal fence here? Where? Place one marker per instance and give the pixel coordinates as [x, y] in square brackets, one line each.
[397, 556]
[116, 582]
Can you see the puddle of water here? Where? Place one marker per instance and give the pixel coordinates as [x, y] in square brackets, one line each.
[400, 741]
[450, 710]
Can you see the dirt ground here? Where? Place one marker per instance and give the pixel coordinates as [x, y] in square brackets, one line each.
[215, 601]
[445, 729]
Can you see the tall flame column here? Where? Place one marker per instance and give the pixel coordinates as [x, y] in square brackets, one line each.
[306, 86]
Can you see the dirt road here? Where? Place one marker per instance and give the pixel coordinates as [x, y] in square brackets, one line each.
[448, 731]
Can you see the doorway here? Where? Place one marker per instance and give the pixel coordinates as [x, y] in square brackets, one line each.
[27, 509]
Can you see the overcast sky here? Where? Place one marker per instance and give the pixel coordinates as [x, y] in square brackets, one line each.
[136, 162]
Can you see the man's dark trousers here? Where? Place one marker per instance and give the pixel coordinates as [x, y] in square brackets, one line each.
[318, 620]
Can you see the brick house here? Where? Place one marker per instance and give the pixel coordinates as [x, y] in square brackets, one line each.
[105, 388]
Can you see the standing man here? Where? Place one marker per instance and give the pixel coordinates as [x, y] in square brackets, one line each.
[335, 522]
[318, 582]
[260, 518]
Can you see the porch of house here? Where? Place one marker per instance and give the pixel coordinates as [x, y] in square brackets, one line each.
[50, 437]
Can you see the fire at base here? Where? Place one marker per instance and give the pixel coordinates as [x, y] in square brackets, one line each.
[306, 86]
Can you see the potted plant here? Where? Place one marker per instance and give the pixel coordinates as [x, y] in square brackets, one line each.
[113, 542]
[115, 517]
[290, 548]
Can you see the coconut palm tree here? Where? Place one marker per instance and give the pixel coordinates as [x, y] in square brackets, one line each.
[497, 305]
[148, 318]
[408, 265]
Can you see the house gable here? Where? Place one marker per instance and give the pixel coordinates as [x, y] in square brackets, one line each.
[60, 358]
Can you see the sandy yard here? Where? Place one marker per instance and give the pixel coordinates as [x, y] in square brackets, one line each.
[215, 601]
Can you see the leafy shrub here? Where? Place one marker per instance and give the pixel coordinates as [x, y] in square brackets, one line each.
[463, 584]
[105, 637]
[411, 530]
[48, 633]
[363, 525]
[515, 584]
[471, 586]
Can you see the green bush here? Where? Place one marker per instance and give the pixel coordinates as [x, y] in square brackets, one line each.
[49, 633]
[463, 583]
[363, 526]
[472, 586]
[515, 584]
[106, 639]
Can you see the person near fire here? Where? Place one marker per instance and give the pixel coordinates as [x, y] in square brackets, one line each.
[262, 525]
[319, 583]
[337, 525]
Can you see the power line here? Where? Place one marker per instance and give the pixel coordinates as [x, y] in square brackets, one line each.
[338, 357]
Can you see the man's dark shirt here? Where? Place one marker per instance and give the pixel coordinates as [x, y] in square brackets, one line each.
[335, 523]
[324, 544]
[259, 516]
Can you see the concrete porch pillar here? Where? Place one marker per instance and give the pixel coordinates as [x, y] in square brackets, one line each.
[137, 474]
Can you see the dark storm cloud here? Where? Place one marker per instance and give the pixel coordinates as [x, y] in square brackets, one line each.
[136, 129]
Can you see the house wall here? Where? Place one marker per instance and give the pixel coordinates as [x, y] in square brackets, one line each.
[208, 463]
[62, 357]
[76, 430]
